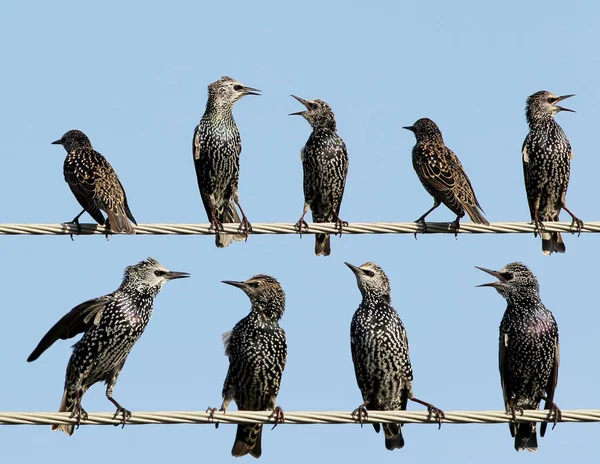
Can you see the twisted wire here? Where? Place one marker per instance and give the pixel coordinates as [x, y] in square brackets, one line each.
[313, 228]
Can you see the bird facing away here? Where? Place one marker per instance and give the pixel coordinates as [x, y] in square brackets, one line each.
[442, 174]
[529, 351]
[325, 163]
[547, 156]
[257, 352]
[380, 353]
[95, 184]
[111, 325]
[216, 148]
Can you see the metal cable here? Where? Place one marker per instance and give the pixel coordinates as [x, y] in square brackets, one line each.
[306, 417]
[313, 228]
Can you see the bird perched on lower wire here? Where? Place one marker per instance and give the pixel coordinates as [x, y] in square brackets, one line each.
[442, 174]
[111, 325]
[216, 147]
[257, 351]
[529, 351]
[325, 162]
[95, 184]
[547, 156]
[380, 353]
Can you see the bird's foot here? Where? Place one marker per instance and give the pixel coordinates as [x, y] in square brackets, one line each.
[512, 410]
[107, 232]
[538, 227]
[432, 410]
[578, 224]
[80, 414]
[421, 221]
[339, 224]
[555, 413]
[245, 227]
[211, 415]
[215, 225]
[361, 413]
[125, 415]
[75, 222]
[456, 226]
[278, 416]
[300, 225]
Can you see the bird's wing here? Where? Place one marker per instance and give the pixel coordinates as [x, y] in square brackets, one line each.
[363, 379]
[82, 182]
[110, 195]
[404, 339]
[464, 190]
[552, 382]
[76, 321]
[197, 153]
[525, 152]
[226, 338]
[127, 210]
[344, 173]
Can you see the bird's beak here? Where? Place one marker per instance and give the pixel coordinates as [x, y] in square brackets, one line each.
[241, 285]
[56, 142]
[410, 128]
[171, 275]
[304, 102]
[251, 91]
[563, 97]
[495, 274]
[357, 270]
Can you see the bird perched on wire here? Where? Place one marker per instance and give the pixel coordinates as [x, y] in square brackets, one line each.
[325, 162]
[547, 156]
[216, 147]
[529, 351]
[111, 325]
[442, 175]
[257, 352]
[380, 353]
[95, 184]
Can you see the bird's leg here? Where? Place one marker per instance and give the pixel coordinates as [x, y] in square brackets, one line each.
[278, 416]
[245, 225]
[211, 415]
[539, 225]
[223, 409]
[339, 223]
[456, 225]
[512, 410]
[439, 414]
[578, 223]
[125, 413]
[107, 231]
[78, 411]
[75, 221]
[215, 224]
[302, 223]
[361, 413]
[421, 220]
[555, 411]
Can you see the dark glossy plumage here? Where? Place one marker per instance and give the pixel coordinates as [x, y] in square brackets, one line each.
[216, 147]
[380, 352]
[529, 350]
[111, 325]
[95, 184]
[257, 351]
[442, 174]
[325, 164]
[547, 158]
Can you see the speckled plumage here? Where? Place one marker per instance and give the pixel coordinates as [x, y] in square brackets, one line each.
[111, 325]
[547, 158]
[95, 184]
[529, 350]
[216, 148]
[257, 351]
[442, 174]
[380, 352]
[325, 164]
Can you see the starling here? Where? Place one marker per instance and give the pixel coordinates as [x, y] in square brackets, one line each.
[547, 158]
[111, 324]
[325, 162]
[442, 174]
[529, 351]
[257, 352]
[95, 184]
[216, 148]
[380, 353]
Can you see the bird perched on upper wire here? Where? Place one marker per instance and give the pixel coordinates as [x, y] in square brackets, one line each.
[95, 184]
[111, 325]
[442, 175]
[216, 147]
[529, 351]
[547, 156]
[380, 353]
[257, 352]
[325, 163]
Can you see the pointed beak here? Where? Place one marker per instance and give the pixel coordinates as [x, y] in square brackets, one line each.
[564, 97]
[410, 128]
[357, 270]
[56, 142]
[251, 91]
[241, 285]
[171, 275]
[304, 102]
[493, 273]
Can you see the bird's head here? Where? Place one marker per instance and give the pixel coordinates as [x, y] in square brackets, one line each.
[543, 104]
[265, 293]
[514, 279]
[226, 91]
[371, 279]
[317, 113]
[425, 130]
[149, 276]
[73, 139]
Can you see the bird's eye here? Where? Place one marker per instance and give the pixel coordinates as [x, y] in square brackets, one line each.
[237, 87]
[507, 275]
[370, 273]
[159, 273]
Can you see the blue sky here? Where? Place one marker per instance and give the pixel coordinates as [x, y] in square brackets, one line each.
[133, 77]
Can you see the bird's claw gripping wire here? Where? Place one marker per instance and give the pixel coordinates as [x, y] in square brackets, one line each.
[277, 416]
[361, 414]
[80, 415]
[75, 222]
[339, 224]
[245, 227]
[211, 415]
[432, 410]
[125, 416]
[423, 225]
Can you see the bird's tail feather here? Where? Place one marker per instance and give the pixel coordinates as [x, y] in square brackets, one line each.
[230, 215]
[248, 440]
[393, 436]
[322, 245]
[526, 437]
[552, 242]
[68, 403]
[119, 222]
[476, 215]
